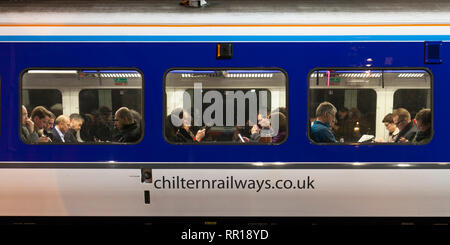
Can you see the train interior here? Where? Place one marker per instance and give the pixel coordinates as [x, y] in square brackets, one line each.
[94, 94]
[364, 97]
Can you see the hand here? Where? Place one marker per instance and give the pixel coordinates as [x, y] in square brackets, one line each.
[200, 135]
[379, 140]
[43, 139]
[246, 139]
[403, 140]
[30, 125]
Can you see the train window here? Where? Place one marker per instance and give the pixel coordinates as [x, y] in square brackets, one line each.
[370, 106]
[402, 98]
[49, 98]
[225, 106]
[87, 106]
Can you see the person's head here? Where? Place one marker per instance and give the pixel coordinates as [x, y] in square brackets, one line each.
[326, 112]
[63, 123]
[24, 115]
[388, 121]
[354, 114]
[51, 122]
[41, 117]
[401, 118]
[423, 120]
[123, 117]
[282, 121]
[281, 110]
[342, 113]
[186, 119]
[57, 109]
[105, 113]
[76, 121]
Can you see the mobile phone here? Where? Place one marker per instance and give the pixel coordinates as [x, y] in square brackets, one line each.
[242, 139]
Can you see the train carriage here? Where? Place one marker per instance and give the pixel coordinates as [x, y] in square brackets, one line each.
[218, 78]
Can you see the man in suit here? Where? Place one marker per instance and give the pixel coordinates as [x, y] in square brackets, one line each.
[76, 121]
[62, 126]
[40, 117]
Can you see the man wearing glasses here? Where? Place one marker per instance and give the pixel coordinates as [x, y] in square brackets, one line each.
[408, 130]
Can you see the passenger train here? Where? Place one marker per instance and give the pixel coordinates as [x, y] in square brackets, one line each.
[221, 76]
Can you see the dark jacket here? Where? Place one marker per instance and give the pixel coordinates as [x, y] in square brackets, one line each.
[25, 135]
[70, 136]
[54, 136]
[128, 133]
[183, 136]
[408, 132]
[102, 131]
[422, 137]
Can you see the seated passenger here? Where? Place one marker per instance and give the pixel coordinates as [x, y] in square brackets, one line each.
[76, 121]
[262, 131]
[423, 122]
[62, 126]
[343, 128]
[27, 126]
[40, 117]
[128, 131]
[185, 132]
[402, 119]
[282, 127]
[137, 118]
[170, 129]
[86, 131]
[391, 128]
[320, 130]
[51, 123]
[102, 128]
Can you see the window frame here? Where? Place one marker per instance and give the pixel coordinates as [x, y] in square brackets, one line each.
[164, 115]
[24, 71]
[382, 69]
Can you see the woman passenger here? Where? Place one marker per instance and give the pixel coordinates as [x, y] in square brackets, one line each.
[282, 127]
[185, 133]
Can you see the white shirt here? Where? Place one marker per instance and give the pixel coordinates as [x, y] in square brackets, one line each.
[61, 135]
[393, 136]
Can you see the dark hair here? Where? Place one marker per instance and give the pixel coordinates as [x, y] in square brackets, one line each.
[40, 112]
[424, 116]
[104, 111]
[281, 110]
[282, 120]
[342, 109]
[389, 118]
